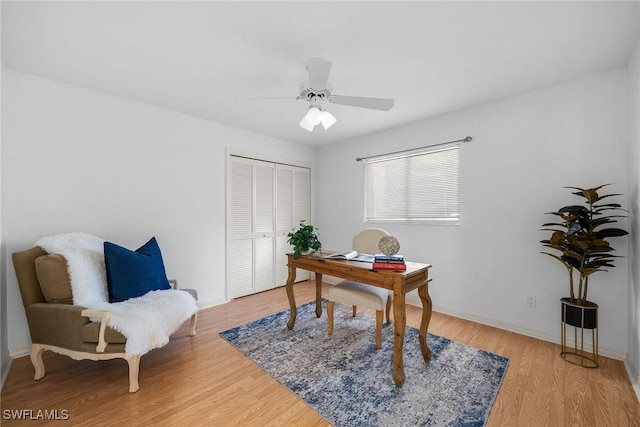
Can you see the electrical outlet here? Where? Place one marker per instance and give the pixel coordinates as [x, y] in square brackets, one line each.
[531, 301]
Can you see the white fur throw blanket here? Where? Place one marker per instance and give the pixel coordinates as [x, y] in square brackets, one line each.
[147, 321]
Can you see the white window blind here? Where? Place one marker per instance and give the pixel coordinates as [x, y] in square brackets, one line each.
[417, 187]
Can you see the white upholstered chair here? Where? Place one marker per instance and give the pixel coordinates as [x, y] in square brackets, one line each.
[357, 294]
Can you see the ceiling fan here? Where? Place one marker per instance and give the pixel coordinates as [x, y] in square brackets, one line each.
[317, 90]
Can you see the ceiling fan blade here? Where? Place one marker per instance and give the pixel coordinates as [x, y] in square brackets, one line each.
[383, 104]
[318, 72]
[264, 98]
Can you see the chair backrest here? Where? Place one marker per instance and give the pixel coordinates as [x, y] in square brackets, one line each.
[367, 240]
[24, 263]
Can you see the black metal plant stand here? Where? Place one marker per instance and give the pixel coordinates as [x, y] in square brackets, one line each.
[580, 317]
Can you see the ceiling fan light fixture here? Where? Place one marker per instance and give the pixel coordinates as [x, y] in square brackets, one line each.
[313, 117]
[306, 125]
[316, 116]
[327, 119]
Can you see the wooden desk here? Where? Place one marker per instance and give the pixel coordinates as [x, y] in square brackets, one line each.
[415, 277]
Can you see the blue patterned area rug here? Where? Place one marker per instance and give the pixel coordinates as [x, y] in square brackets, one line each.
[349, 382]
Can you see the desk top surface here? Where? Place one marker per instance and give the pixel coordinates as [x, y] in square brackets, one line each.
[319, 259]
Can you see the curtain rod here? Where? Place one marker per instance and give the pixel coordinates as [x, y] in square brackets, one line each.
[467, 139]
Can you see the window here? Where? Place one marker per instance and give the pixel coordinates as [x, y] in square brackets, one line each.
[417, 187]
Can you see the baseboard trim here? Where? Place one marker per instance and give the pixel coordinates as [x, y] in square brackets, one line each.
[4, 372]
[413, 299]
[20, 351]
[612, 353]
[634, 377]
[208, 304]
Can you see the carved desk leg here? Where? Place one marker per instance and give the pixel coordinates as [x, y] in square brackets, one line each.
[318, 294]
[423, 292]
[399, 322]
[292, 300]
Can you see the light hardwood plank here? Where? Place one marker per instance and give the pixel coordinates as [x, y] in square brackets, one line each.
[203, 380]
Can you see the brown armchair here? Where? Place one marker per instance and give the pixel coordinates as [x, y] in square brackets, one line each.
[64, 328]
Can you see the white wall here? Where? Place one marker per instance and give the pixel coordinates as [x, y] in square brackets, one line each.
[5, 360]
[524, 150]
[634, 208]
[76, 160]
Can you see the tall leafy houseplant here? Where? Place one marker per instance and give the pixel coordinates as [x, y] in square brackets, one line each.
[580, 238]
[304, 239]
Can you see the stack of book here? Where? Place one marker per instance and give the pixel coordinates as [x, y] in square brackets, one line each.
[389, 262]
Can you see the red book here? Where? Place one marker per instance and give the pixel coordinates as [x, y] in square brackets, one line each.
[389, 266]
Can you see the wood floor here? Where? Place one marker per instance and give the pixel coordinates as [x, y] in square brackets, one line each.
[204, 381]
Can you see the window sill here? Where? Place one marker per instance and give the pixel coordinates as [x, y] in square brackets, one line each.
[430, 221]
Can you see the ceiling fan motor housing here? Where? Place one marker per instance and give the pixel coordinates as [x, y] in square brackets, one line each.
[314, 96]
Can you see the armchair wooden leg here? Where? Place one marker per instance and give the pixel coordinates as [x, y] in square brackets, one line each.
[134, 369]
[330, 316]
[192, 325]
[379, 328]
[36, 360]
[354, 311]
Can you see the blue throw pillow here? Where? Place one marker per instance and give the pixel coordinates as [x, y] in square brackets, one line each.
[132, 274]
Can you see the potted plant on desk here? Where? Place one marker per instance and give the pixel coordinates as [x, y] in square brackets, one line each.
[581, 240]
[304, 239]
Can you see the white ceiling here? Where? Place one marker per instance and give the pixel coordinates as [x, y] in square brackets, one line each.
[198, 58]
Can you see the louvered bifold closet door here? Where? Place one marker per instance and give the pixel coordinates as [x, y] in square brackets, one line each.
[265, 202]
[241, 241]
[292, 205]
[301, 206]
[264, 226]
[301, 195]
[284, 220]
